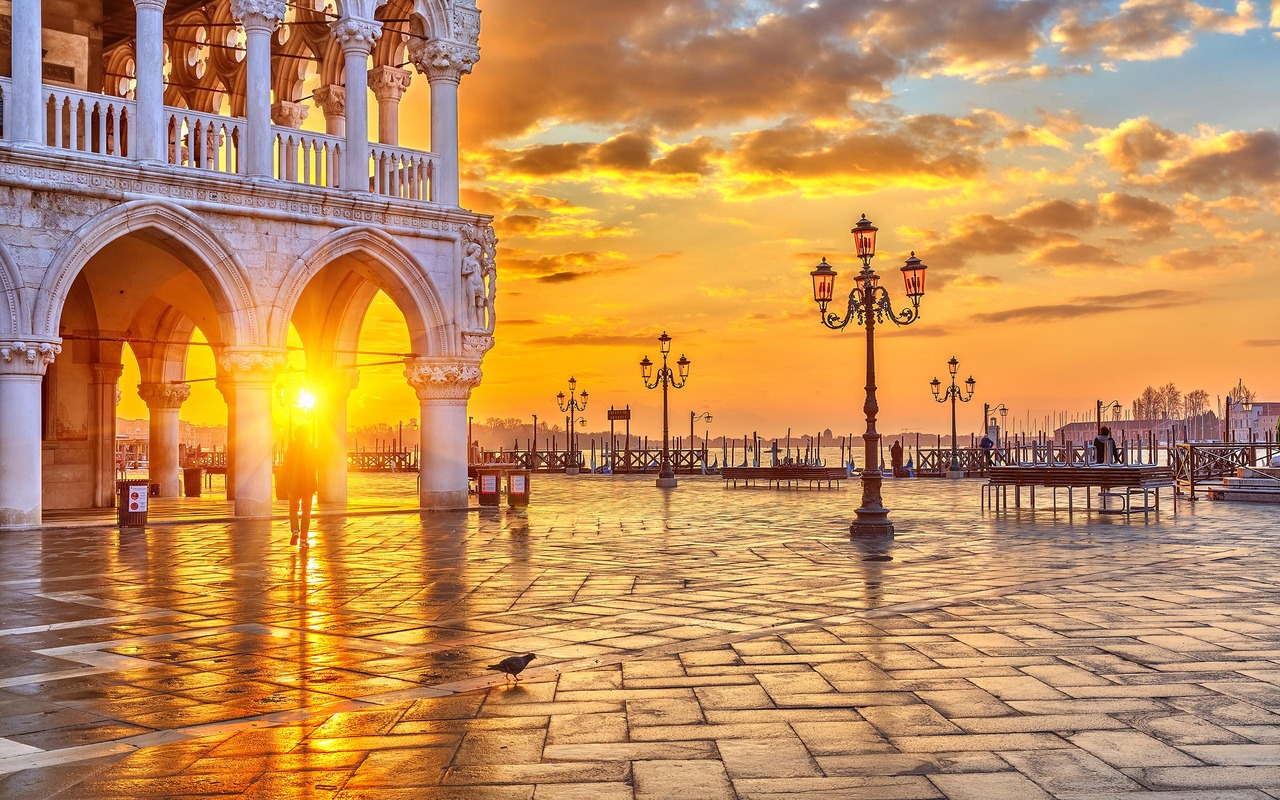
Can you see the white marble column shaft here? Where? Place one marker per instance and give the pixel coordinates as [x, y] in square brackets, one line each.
[164, 401]
[356, 37]
[443, 389]
[26, 112]
[149, 138]
[259, 18]
[22, 368]
[331, 436]
[250, 375]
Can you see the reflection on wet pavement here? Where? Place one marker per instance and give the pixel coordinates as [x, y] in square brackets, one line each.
[700, 642]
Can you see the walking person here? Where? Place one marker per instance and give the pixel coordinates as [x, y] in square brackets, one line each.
[299, 476]
[986, 445]
[1105, 450]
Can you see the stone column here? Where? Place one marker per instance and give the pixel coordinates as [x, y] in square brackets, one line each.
[27, 113]
[164, 400]
[332, 100]
[22, 367]
[229, 397]
[356, 37]
[443, 388]
[331, 434]
[259, 18]
[250, 375]
[444, 64]
[147, 132]
[289, 115]
[388, 85]
[104, 396]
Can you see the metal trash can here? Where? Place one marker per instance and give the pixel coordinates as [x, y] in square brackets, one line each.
[154, 490]
[489, 486]
[518, 488]
[131, 503]
[191, 481]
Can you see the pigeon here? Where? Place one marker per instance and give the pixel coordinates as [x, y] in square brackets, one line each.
[513, 665]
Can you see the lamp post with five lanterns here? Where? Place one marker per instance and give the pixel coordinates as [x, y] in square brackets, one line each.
[869, 304]
[572, 406]
[665, 378]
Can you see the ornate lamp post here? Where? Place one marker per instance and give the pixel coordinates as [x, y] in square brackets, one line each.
[1102, 409]
[705, 416]
[665, 378]
[987, 411]
[869, 303]
[953, 394]
[571, 406]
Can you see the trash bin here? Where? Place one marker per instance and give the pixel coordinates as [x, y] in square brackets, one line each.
[131, 503]
[154, 489]
[518, 488]
[489, 486]
[191, 481]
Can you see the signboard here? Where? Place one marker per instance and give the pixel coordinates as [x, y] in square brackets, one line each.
[137, 498]
[488, 484]
[518, 484]
[619, 414]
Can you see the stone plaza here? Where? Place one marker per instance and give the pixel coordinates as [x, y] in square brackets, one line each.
[696, 643]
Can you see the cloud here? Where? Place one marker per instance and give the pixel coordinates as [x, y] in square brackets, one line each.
[1145, 217]
[558, 268]
[1188, 259]
[1145, 30]
[1094, 305]
[1136, 142]
[1261, 342]
[593, 340]
[1057, 214]
[1074, 256]
[1035, 72]
[1230, 161]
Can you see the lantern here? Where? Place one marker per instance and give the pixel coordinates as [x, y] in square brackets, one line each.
[913, 277]
[664, 343]
[952, 366]
[935, 385]
[646, 368]
[969, 384]
[824, 284]
[683, 365]
[864, 238]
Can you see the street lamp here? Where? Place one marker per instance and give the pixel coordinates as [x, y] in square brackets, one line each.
[1114, 404]
[571, 406]
[665, 378]
[869, 303]
[987, 419]
[953, 394]
[1246, 405]
[705, 416]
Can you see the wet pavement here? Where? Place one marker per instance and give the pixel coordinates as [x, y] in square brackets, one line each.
[699, 643]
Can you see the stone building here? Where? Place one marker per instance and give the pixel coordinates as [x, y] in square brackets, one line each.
[156, 178]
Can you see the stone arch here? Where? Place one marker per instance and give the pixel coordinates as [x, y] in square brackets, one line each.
[177, 229]
[432, 19]
[393, 268]
[11, 309]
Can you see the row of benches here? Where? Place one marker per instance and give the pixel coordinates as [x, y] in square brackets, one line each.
[815, 477]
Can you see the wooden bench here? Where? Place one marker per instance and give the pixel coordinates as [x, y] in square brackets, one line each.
[776, 477]
[1114, 483]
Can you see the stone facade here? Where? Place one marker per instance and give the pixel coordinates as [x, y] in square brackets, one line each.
[103, 244]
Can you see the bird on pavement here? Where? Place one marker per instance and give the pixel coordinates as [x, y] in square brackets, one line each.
[513, 665]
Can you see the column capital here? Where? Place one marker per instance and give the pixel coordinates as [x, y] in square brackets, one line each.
[337, 383]
[356, 35]
[443, 61]
[251, 366]
[389, 83]
[332, 99]
[107, 372]
[27, 358]
[288, 114]
[154, 5]
[258, 14]
[442, 380]
[164, 395]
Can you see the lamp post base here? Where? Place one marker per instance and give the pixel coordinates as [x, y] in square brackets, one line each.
[871, 528]
[571, 471]
[955, 473]
[666, 483]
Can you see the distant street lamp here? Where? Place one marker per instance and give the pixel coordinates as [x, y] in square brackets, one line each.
[705, 416]
[1246, 406]
[665, 378]
[953, 394]
[869, 303]
[572, 406]
[1114, 404]
[987, 411]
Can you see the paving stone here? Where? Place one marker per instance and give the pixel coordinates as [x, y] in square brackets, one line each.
[990, 786]
[781, 757]
[1131, 749]
[862, 788]
[667, 779]
[1062, 771]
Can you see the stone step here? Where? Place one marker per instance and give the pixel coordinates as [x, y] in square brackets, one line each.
[1245, 495]
[1251, 483]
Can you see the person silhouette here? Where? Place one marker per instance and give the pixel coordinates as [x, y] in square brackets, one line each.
[300, 483]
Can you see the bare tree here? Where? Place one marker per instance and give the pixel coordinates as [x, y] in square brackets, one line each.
[1170, 401]
[1196, 402]
[1240, 393]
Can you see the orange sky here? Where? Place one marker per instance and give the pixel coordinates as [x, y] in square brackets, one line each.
[1094, 186]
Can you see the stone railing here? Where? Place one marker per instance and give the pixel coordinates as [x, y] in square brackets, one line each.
[99, 124]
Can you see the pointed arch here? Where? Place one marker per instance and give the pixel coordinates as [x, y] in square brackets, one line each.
[394, 269]
[12, 313]
[169, 226]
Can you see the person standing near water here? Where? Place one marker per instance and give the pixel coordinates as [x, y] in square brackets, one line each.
[299, 476]
[1104, 447]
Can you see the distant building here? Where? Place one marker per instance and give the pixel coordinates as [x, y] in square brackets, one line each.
[1260, 421]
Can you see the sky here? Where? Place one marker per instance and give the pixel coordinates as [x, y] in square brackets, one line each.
[1094, 186]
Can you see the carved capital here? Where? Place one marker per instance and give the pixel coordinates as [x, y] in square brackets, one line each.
[27, 358]
[332, 99]
[150, 5]
[261, 15]
[466, 24]
[251, 366]
[442, 380]
[106, 372]
[443, 61]
[475, 345]
[164, 395]
[389, 83]
[288, 114]
[356, 35]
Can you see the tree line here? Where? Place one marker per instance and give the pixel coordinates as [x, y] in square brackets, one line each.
[1168, 402]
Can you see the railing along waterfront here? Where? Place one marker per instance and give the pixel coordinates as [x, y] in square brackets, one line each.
[1198, 465]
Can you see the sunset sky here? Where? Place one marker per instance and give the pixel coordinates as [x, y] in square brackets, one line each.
[1095, 187]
